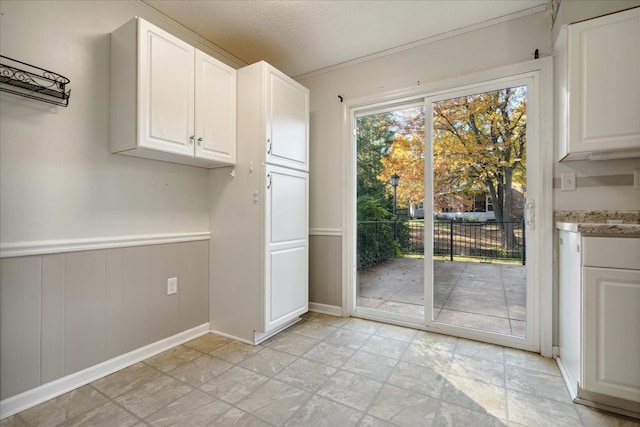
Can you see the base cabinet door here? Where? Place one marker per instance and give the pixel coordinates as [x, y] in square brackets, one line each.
[287, 251]
[286, 297]
[611, 332]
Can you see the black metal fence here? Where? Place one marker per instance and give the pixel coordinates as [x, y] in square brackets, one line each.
[379, 240]
[487, 240]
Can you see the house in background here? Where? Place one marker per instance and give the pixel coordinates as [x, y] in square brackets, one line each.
[88, 239]
[459, 207]
[478, 207]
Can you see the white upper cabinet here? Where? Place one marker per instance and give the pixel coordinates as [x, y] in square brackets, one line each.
[600, 89]
[170, 101]
[215, 114]
[287, 121]
[281, 106]
[166, 88]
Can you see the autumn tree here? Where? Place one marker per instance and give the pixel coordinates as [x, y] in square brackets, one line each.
[406, 156]
[480, 142]
[374, 138]
[376, 236]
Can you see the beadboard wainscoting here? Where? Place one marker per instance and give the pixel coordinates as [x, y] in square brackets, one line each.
[325, 271]
[64, 313]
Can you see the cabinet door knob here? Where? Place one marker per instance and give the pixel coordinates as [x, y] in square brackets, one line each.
[192, 138]
[200, 140]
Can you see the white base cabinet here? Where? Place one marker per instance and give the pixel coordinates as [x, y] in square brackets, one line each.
[259, 280]
[612, 332]
[170, 101]
[599, 317]
[597, 88]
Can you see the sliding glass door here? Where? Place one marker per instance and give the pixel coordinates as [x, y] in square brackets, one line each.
[443, 211]
[390, 212]
[476, 279]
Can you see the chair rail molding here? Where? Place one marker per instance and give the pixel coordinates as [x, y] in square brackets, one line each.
[44, 247]
[337, 232]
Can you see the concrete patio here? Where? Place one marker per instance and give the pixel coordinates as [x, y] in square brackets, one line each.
[485, 296]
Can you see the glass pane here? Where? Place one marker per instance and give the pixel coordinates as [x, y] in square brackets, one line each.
[479, 193]
[390, 211]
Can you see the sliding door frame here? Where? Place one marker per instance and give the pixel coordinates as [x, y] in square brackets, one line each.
[531, 341]
[541, 71]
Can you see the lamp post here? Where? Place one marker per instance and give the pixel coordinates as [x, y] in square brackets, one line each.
[395, 178]
[394, 181]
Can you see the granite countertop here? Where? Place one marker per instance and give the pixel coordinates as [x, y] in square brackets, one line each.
[599, 223]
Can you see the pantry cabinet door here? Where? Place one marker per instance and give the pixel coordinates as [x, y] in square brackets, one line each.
[287, 241]
[215, 110]
[166, 91]
[287, 121]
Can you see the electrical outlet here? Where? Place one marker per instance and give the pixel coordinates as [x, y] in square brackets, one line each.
[636, 179]
[568, 181]
[172, 285]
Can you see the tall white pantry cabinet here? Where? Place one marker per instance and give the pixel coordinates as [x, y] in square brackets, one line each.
[260, 211]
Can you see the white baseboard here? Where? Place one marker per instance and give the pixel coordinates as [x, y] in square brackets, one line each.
[258, 337]
[233, 337]
[332, 310]
[573, 392]
[35, 396]
[263, 336]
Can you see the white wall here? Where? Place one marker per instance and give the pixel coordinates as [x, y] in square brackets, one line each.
[482, 49]
[58, 179]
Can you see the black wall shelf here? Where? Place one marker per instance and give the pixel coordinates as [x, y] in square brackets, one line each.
[20, 78]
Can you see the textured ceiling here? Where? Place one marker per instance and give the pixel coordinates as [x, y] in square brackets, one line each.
[299, 37]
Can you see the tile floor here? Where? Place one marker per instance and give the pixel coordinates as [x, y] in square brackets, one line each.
[491, 297]
[327, 371]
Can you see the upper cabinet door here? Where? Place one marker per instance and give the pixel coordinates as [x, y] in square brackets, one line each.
[215, 110]
[604, 83]
[287, 121]
[166, 91]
